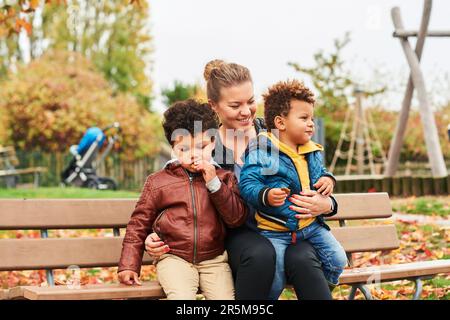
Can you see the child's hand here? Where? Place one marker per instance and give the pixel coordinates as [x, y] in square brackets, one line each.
[207, 169]
[129, 277]
[324, 186]
[276, 197]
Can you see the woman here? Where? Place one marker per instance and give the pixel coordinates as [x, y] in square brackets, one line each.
[251, 256]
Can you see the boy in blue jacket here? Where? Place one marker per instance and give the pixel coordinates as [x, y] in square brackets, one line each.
[285, 161]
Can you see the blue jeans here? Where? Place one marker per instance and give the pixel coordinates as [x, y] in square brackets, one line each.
[329, 250]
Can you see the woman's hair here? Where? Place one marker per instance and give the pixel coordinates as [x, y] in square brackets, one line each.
[185, 114]
[220, 74]
[277, 100]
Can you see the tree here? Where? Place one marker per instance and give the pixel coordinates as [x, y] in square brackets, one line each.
[182, 91]
[113, 34]
[335, 84]
[50, 103]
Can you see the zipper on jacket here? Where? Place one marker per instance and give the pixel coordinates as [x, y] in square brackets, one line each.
[156, 222]
[195, 215]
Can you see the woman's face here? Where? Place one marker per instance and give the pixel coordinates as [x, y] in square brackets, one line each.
[236, 107]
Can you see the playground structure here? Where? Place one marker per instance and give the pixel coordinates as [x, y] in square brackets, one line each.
[362, 141]
[416, 81]
[363, 138]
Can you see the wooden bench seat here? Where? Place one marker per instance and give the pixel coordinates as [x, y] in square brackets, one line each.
[395, 272]
[149, 289]
[85, 252]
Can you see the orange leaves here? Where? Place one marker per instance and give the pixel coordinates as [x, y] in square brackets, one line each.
[50, 103]
[56, 1]
[21, 23]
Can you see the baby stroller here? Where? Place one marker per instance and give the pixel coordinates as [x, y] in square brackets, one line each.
[81, 171]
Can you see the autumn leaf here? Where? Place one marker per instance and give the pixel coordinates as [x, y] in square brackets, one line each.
[21, 23]
[34, 4]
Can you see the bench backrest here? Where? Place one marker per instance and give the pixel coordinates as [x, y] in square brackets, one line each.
[56, 253]
[8, 158]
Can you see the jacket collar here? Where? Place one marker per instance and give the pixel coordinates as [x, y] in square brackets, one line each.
[308, 147]
[227, 154]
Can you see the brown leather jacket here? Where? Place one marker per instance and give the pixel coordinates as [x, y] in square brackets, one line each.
[187, 217]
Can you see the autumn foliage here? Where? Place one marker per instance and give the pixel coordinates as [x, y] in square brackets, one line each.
[48, 104]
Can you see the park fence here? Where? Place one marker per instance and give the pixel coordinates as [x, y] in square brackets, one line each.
[404, 186]
[130, 175]
[413, 179]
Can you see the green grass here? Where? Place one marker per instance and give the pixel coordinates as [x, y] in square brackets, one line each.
[64, 193]
[424, 205]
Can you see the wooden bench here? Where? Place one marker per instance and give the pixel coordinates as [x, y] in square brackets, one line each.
[8, 170]
[60, 253]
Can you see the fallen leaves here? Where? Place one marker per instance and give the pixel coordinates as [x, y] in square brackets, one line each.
[417, 243]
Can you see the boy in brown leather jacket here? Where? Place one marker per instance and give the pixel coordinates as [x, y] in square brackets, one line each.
[188, 204]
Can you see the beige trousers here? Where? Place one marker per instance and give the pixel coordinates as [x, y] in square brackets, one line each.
[181, 279]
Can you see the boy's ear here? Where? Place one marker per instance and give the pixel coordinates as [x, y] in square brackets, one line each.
[279, 123]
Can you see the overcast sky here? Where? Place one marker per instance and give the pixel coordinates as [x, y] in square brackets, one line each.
[266, 34]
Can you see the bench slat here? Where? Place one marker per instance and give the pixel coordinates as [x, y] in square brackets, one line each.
[20, 254]
[149, 289]
[4, 294]
[65, 213]
[22, 214]
[152, 289]
[362, 206]
[59, 253]
[367, 238]
[395, 272]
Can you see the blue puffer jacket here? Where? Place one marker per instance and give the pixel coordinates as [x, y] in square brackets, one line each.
[266, 167]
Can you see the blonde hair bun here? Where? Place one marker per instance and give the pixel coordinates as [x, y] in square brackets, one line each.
[210, 66]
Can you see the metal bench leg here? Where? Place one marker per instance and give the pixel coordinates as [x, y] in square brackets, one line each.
[116, 232]
[364, 290]
[50, 279]
[49, 272]
[418, 291]
[353, 293]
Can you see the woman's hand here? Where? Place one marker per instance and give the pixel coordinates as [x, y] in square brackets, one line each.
[154, 246]
[129, 277]
[310, 204]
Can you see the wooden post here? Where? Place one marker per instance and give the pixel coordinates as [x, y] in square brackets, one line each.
[427, 186]
[440, 186]
[413, 33]
[352, 144]
[407, 186]
[397, 138]
[387, 185]
[434, 151]
[379, 185]
[396, 186]
[359, 132]
[417, 186]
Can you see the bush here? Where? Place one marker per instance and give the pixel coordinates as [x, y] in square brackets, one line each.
[48, 104]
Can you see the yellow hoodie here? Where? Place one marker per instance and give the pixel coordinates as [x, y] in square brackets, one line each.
[301, 165]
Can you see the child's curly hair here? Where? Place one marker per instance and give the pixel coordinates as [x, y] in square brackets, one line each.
[185, 114]
[277, 99]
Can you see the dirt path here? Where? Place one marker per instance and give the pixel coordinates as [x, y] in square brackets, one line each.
[422, 219]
